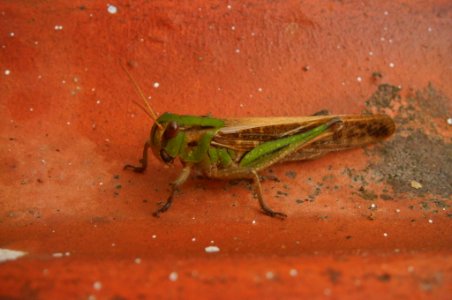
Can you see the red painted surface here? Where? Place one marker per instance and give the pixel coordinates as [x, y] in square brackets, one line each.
[68, 125]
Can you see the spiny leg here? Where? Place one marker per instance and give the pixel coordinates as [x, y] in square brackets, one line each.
[268, 211]
[143, 161]
[174, 187]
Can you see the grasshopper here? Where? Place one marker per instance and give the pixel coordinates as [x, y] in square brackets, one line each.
[240, 148]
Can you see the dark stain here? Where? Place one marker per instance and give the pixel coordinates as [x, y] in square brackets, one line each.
[418, 151]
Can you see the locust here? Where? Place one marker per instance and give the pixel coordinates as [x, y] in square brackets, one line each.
[241, 148]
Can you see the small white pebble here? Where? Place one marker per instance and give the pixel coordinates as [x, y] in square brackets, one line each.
[156, 84]
[98, 102]
[36, 42]
[373, 206]
[391, 65]
[12, 34]
[58, 27]
[385, 234]
[212, 249]
[154, 236]
[31, 109]
[193, 239]
[359, 78]
[173, 276]
[430, 221]
[293, 272]
[58, 254]
[237, 50]
[259, 90]
[382, 39]
[397, 210]
[68, 123]
[112, 9]
[97, 285]
[232, 27]
[371, 53]
[270, 275]
[7, 72]
[386, 13]
[229, 6]
[101, 183]
[137, 260]
[449, 121]
[429, 29]
[253, 222]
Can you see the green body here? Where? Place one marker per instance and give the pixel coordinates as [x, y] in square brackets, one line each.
[240, 148]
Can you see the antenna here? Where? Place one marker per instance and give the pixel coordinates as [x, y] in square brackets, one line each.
[150, 112]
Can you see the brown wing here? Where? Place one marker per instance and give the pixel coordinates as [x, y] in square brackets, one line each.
[358, 130]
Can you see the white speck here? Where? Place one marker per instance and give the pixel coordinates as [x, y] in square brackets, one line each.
[39, 76]
[43, 161]
[68, 123]
[390, 41]
[97, 285]
[253, 222]
[107, 140]
[229, 6]
[93, 89]
[101, 183]
[382, 39]
[359, 79]
[415, 185]
[67, 253]
[36, 42]
[57, 254]
[212, 249]
[232, 27]
[385, 234]
[58, 27]
[293, 272]
[63, 81]
[113, 244]
[6, 254]
[429, 29]
[237, 50]
[156, 84]
[31, 109]
[212, 242]
[112, 9]
[193, 239]
[92, 297]
[397, 210]
[173, 276]
[430, 221]
[373, 206]
[98, 102]
[386, 13]
[253, 33]
[449, 121]
[270, 275]
[7, 72]
[391, 65]
[137, 260]
[241, 105]
[260, 90]
[11, 34]
[154, 236]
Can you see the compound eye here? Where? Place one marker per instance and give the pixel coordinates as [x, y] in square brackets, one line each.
[171, 130]
[166, 157]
